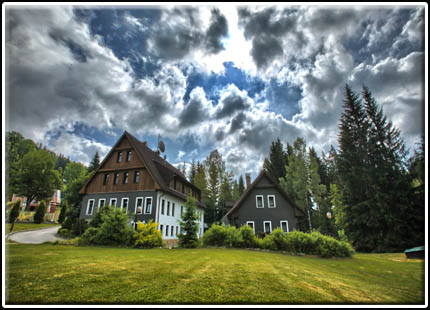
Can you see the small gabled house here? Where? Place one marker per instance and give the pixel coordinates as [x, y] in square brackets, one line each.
[264, 206]
[135, 178]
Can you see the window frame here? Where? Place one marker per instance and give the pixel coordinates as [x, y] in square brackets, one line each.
[146, 204]
[116, 202]
[142, 206]
[262, 201]
[115, 178]
[264, 226]
[106, 178]
[88, 206]
[119, 157]
[288, 229]
[162, 206]
[128, 156]
[125, 178]
[274, 201]
[136, 174]
[100, 200]
[122, 202]
[253, 225]
[167, 231]
[173, 209]
[168, 208]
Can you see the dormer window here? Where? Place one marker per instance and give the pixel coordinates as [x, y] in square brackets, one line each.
[136, 176]
[128, 155]
[125, 181]
[116, 177]
[119, 158]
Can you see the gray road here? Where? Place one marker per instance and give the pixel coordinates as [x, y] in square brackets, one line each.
[36, 236]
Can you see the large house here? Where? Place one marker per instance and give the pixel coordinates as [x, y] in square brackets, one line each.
[264, 206]
[135, 178]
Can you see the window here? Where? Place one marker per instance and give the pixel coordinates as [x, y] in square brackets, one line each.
[182, 210]
[116, 177]
[119, 158]
[271, 201]
[284, 226]
[260, 201]
[102, 203]
[125, 181]
[139, 205]
[174, 183]
[161, 229]
[267, 227]
[148, 205]
[162, 206]
[106, 179]
[251, 224]
[124, 204]
[168, 208]
[177, 230]
[172, 230]
[136, 176]
[167, 230]
[173, 209]
[128, 156]
[90, 207]
[113, 202]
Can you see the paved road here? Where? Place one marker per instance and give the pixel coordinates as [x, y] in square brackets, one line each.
[36, 236]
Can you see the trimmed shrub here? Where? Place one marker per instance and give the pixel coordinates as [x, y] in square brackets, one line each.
[40, 213]
[89, 237]
[115, 229]
[234, 238]
[64, 232]
[147, 235]
[216, 235]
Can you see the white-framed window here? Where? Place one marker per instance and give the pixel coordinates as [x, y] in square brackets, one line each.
[251, 224]
[161, 229]
[182, 210]
[139, 205]
[148, 205]
[102, 202]
[90, 206]
[167, 230]
[267, 226]
[271, 202]
[284, 226]
[162, 206]
[173, 209]
[177, 228]
[128, 156]
[124, 204]
[113, 202]
[172, 230]
[168, 208]
[259, 201]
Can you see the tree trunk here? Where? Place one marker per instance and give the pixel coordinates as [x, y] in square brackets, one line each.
[11, 226]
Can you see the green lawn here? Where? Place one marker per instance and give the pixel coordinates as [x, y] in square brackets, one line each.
[60, 274]
[27, 226]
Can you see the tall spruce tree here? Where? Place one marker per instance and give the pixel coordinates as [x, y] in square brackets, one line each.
[188, 237]
[95, 163]
[277, 160]
[241, 185]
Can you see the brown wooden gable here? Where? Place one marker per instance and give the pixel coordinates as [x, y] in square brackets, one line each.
[110, 166]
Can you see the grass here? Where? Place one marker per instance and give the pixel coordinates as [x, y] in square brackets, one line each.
[60, 274]
[28, 226]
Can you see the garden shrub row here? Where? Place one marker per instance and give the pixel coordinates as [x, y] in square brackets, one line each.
[313, 243]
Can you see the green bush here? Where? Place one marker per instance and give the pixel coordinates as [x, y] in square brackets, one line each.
[147, 235]
[64, 232]
[63, 212]
[78, 227]
[234, 237]
[89, 237]
[248, 237]
[40, 213]
[216, 235]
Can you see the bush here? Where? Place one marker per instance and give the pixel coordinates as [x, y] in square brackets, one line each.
[249, 240]
[188, 237]
[89, 237]
[40, 213]
[216, 235]
[147, 235]
[64, 232]
[78, 227]
[62, 216]
[234, 238]
[97, 220]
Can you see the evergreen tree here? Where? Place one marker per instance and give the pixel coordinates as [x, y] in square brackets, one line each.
[13, 214]
[63, 212]
[278, 159]
[39, 215]
[241, 185]
[188, 237]
[225, 192]
[95, 163]
[193, 172]
[212, 194]
[235, 193]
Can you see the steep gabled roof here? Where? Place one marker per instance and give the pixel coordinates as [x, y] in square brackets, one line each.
[263, 173]
[160, 170]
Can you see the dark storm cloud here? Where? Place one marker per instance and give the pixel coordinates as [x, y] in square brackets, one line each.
[218, 29]
[183, 33]
[219, 134]
[230, 104]
[237, 122]
[194, 112]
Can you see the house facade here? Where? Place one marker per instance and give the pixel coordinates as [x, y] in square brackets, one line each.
[134, 178]
[51, 214]
[264, 206]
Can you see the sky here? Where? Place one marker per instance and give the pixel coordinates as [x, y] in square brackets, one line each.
[203, 77]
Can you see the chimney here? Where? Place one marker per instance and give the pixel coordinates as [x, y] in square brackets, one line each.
[248, 179]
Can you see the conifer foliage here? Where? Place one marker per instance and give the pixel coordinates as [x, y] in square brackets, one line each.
[189, 226]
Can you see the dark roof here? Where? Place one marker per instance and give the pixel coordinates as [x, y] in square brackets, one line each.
[160, 169]
[298, 210]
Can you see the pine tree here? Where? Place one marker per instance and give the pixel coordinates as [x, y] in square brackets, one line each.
[241, 185]
[39, 215]
[63, 212]
[225, 192]
[193, 172]
[236, 193]
[95, 163]
[188, 237]
[278, 159]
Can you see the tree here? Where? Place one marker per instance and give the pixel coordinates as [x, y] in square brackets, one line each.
[302, 181]
[39, 215]
[36, 179]
[188, 237]
[95, 163]
[241, 185]
[235, 193]
[73, 172]
[63, 212]
[278, 159]
[16, 146]
[192, 172]
[225, 192]
[14, 213]
[212, 194]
